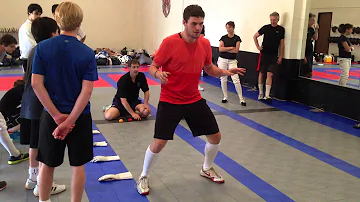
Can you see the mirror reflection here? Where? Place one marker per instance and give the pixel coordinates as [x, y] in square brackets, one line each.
[331, 51]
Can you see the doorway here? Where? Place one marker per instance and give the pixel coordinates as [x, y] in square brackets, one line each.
[324, 21]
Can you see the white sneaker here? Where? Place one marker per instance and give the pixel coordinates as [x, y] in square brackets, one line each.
[212, 174]
[143, 185]
[55, 189]
[30, 184]
[261, 97]
[200, 88]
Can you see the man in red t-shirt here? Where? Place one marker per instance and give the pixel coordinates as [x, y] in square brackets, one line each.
[182, 57]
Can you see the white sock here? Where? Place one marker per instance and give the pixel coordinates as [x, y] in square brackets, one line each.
[239, 91]
[210, 153]
[224, 89]
[149, 161]
[8, 144]
[33, 173]
[267, 92]
[261, 89]
[45, 201]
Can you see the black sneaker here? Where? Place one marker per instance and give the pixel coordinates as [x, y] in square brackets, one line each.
[15, 160]
[2, 185]
[224, 101]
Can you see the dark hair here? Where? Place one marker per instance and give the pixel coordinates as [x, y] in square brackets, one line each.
[343, 27]
[7, 40]
[19, 82]
[311, 15]
[193, 11]
[42, 28]
[203, 30]
[133, 62]
[53, 8]
[35, 7]
[231, 24]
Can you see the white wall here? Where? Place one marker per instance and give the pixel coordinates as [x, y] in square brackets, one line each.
[248, 18]
[110, 23]
[343, 12]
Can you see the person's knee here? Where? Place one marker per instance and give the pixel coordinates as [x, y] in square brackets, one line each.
[215, 138]
[109, 116]
[270, 74]
[145, 113]
[157, 145]
[235, 79]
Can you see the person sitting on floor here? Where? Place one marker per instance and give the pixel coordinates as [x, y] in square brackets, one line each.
[126, 101]
[10, 106]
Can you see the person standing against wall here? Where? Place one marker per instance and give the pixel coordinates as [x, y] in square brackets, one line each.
[312, 35]
[229, 47]
[345, 49]
[271, 53]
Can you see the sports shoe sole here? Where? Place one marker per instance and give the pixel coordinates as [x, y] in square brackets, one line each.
[17, 161]
[212, 179]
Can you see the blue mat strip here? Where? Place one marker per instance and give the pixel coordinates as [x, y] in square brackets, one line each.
[109, 191]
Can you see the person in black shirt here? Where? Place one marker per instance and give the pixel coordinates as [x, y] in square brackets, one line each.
[229, 47]
[9, 116]
[345, 49]
[312, 35]
[126, 101]
[271, 53]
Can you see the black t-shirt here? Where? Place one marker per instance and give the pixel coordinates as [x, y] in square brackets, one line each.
[272, 38]
[31, 107]
[126, 88]
[342, 52]
[309, 39]
[11, 100]
[229, 42]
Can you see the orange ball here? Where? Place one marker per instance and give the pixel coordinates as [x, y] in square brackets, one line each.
[120, 120]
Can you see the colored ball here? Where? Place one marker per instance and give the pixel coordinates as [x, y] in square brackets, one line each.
[120, 120]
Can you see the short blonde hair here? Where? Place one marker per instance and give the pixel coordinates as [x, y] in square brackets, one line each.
[68, 16]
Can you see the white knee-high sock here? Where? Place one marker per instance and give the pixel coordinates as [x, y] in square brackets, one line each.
[261, 89]
[268, 89]
[33, 173]
[224, 88]
[210, 153]
[239, 91]
[149, 161]
[8, 144]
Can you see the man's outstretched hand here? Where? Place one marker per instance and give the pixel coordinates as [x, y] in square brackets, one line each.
[233, 71]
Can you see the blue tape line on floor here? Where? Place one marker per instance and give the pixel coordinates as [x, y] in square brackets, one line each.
[330, 120]
[241, 174]
[122, 190]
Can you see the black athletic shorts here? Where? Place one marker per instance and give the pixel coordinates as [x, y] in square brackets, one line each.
[268, 63]
[197, 115]
[29, 132]
[123, 112]
[13, 119]
[79, 142]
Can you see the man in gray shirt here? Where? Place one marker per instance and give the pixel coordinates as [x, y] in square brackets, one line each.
[7, 45]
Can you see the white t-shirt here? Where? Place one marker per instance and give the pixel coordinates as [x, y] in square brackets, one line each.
[26, 39]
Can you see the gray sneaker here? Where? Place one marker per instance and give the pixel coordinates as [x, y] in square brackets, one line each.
[143, 185]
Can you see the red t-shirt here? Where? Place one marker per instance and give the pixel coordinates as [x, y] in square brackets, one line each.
[184, 61]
